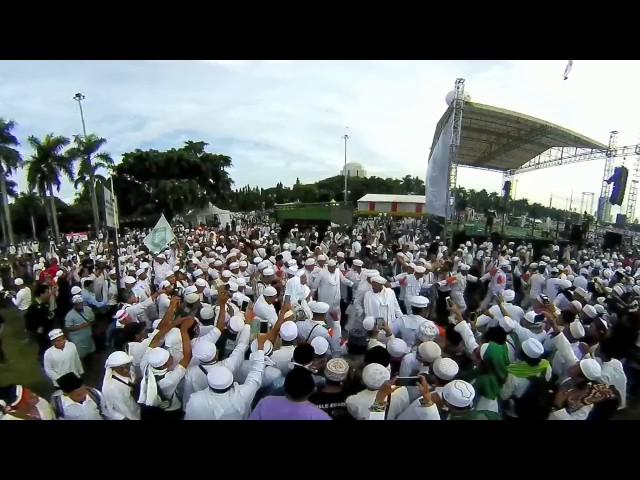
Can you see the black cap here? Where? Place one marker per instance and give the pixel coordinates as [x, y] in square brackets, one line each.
[69, 382]
[358, 336]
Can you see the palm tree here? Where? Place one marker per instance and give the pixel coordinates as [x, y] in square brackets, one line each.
[10, 160]
[44, 167]
[87, 151]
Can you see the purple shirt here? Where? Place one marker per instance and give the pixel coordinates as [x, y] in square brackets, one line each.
[280, 408]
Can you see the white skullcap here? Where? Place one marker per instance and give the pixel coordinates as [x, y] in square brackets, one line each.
[227, 274]
[197, 272]
[190, 289]
[419, 301]
[267, 349]
[309, 261]
[331, 263]
[292, 270]
[397, 347]
[532, 348]
[319, 307]
[235, 324]
[599, 309]
[191, 297]
[429, 351]
[564, 284]
[219, 377]
[576, 329]
[161, 256]
[369, 323]
[55, 333]
[428, 331]
[590, 311]
[509, 295]
[340, 254]
[464, 267]
[201, 282]
[140, 271]
[233, 286]
[206, 312]
[255, 260]
[372, 273]
[267, 272]
[577, 305]
[270, 292]
[76, 299]
[590, 368]
[533, 265]
[320, 345]
[582, 292]
[374, 375]
[164, 284]
[419, 269]
[158, 357]
[18, 282]
[507, 324]
[322, 258]
[118, 359]
[243, 263]
[239, 298]
[128, 279]
[445, 369]
[241, 282]
[379, 280]
[204, 351]
[458, 393]
[234, 265]
[289, 331]
[358, 263]
[217, 263]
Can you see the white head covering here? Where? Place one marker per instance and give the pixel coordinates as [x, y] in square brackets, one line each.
[445, 368]
[289, 331]
[320, 345]
[374, 375]
[532, 348]
[204, 351]
[397, 347]
[219, 377]
[429, 351]
[458, 393]
[590, 368]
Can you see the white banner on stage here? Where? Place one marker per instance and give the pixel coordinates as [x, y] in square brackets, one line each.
[437, 181]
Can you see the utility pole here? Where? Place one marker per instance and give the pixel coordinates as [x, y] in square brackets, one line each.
[346, 137]
[78, 97]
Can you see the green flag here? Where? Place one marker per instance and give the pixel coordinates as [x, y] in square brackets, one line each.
[161, 235]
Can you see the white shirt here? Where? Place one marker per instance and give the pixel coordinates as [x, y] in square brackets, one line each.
[613, 374]
[234, 404]
[87, 410]
[58, 362]
[358, 404]
[118, 401]
[23, 299]
[282, 357]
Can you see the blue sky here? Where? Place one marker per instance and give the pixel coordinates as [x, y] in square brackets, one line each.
[280, 120]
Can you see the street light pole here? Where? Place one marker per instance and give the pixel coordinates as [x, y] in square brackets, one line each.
[346, 137]
[78, 97]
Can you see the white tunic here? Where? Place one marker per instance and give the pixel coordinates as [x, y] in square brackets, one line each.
[358, 404]
[58, 362]
[383, 304]
[118, 401]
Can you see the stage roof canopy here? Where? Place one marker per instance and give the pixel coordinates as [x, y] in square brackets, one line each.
[497, 139]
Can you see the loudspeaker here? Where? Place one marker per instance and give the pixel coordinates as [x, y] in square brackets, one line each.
[576, 234]
[611, 240]
[621, 219]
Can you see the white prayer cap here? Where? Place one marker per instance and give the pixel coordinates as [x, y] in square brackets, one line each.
[18, 282]
[158, 357]
[204, 350]
[397, 347]
[576, 329]
[241, 282]
[217, 263]
[161, 256]
[118, 359]
[458, 393]
[599, 309]
[572, 262]
[320, 345]
[319, 307]
[369, 323]
[509, 295]
[292, 270]
[590, 368]
[533, 265]
[219, 377]
[358, 263]
[289, 331]
[582, 292]
[198, 254]
[464, 267]
[374, 375]
[542, 264]
[590, 311]
[270, 292]
[255, 260]
[571, 278]
[419, 301]
[322, 258]
[201, 282]
[340, 254]
[285, 246]
[243, 263]
[206, 312]
[268, 272]
[429, 351]
[428, 265]
[577, 305]
[532, 348]
[128, 279]
[144, 265]
[140, 271]
[310, 261]
[234, 265]
[428, 331]
[419, 269]
[379, 280]
[564, 284]
[233, 286]
[55, 333]
[602, 300]
[76, 299]
[331, 263]
[190, 289]
[445, 369]
[506, 323]
[191, 297]
[235, 324]
[267, 349]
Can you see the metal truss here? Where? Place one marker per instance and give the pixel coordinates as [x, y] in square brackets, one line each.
[633, 191]
[605, 191]
[458, 106]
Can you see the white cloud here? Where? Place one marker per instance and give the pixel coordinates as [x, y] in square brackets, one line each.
[280, 120]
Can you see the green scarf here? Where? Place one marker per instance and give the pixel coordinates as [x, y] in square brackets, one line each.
[492, 373]
[523, 370]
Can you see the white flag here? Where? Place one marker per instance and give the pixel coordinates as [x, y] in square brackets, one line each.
[568, 69]
[161, 235]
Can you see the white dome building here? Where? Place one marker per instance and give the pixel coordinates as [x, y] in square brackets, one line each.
[354, 170]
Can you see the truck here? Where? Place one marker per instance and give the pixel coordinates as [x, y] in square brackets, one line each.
[320, 214]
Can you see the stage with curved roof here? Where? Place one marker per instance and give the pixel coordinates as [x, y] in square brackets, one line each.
[493, 138]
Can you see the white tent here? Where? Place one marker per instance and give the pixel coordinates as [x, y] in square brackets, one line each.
[206, 215]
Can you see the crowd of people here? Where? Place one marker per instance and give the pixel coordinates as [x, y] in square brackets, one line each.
[378, 322]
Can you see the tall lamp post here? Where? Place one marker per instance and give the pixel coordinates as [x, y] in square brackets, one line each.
[346, 137]
[78, 97]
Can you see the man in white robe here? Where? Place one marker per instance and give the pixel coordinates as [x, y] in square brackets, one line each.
[328, 284]
[61, 358]
[117, 388]
[381, 302]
